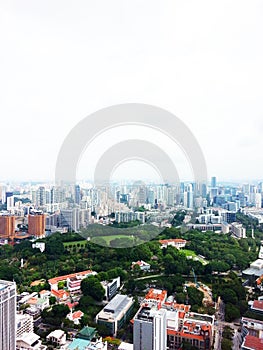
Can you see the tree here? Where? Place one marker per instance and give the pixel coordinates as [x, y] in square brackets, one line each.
[92, 286]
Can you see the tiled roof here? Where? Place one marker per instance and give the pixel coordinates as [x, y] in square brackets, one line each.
[253, 343]
[72, 275]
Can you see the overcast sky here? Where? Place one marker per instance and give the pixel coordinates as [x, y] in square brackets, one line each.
[62, 60]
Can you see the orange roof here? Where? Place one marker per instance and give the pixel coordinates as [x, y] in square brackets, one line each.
[153, 294]
[77, 314]
[44, 291]
[32, 301]
[258, 304]
[253, 342]
[72, 275]
[72, 305]
[259, 280]
[176, 240]
[184, 335]
[59, 293]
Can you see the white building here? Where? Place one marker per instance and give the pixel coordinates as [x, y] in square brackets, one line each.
[57, 337]
[29, 341]
[116, 313]
[24, 324]
[238, 230]
[149, 329]
[7, 315]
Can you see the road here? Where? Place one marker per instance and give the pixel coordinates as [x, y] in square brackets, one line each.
[237, 340]
[219, 327]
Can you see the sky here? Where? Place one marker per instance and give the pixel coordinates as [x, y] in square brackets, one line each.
[63, 60]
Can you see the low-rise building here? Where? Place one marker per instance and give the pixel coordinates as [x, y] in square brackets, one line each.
[29, 341]
[53, 282]
[176, 243]
[252, 343]
[111, 287]
[57, 337]
[61, 295]
[75, 316]
[116, 313]
[144, 266]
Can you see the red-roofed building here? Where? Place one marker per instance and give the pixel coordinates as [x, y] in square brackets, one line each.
[61, 295]
[252, 343]
[197, 334]
[257, 306]
[156, 297]
[176, 243]
[75, 316]
[144, 266]
[53, 282]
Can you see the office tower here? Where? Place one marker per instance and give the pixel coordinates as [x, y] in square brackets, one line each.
[41, 196]
[7, 315]
[7, 226]
[37, 224]
[149, 329]
[9, 200]
[2, 194]
[70, 218]
[77, 194]
[213, 182]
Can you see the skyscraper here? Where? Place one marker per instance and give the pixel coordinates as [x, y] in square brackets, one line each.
[149, 330]
[7, 315]
[37, 224]
[213, 182]
[7, 226]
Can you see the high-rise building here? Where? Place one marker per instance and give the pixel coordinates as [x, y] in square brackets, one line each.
[77, 194]
[41, 196]
[9, 200]
[7, 226]
[7, 315]
[149, 329]
[37, 224]
[70, 218]
[213, 181]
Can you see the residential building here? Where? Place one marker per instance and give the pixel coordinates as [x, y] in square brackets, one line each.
[75, 316]
[7, 315]
[57, 337]
[116, 313]
[7, 226]
[24, 324]
[29, 341]
[144, 266]
[36, 224]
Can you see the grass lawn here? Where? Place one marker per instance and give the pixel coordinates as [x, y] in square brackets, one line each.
[107, 239]
[188, 252]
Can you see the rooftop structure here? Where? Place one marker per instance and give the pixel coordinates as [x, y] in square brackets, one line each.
[114, 315]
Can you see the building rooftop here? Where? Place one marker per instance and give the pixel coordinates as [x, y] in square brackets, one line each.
[115, 307]
[80, 344]
[252, 343]
[72, 275]
[87, 333]
[257, 305]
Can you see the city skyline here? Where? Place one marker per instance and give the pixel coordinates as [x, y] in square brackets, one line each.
[90, 57]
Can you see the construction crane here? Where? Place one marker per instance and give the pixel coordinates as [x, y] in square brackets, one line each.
[196, 283]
